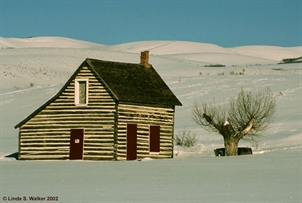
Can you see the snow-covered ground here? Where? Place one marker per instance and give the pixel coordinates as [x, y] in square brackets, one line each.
[34, 69]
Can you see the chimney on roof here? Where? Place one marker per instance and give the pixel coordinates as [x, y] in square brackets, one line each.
[145, 59]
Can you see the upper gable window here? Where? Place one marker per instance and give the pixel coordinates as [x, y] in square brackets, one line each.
[81, 92]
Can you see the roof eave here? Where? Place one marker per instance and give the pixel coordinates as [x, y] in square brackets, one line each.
[50, 100]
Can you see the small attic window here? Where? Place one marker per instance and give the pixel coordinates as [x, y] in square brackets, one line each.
[81, 92]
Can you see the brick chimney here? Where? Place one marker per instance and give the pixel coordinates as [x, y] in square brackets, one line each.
[145, 59]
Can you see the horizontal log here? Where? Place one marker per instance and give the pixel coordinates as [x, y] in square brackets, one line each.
[96, 101]
[125, 121]
[41, 138]
[168, 140]
[87, 138]
[143, 143]
[100, 152]
[68, 93]
[44, 141]
[90, 96]
[79, 109]
[154, 156]
[40, 157]
[90, 77]
[128, 116]
[143, 138]
[121, 155]
[98, 157]
[106, 122]
[69, 126]
[165, 149]
[43, 144]
[98, 140]
[100, 136]
[50, 129]
[97, 106]
[145, 121]
[44, 153]
[121, 143]
[39, 134]
[96, 82]
[147, 115]
[99, 101]
[38, 122]
[98, 89]
[167, 145]
[74, 115]
[100, 98]
[103, 146]
[166, 133]
[140, 152]
[145, 108]
[105, 132]
[121, 151]
[45, 148]
[85, 68]
[46, 131]
[36, 153]
[141, 148]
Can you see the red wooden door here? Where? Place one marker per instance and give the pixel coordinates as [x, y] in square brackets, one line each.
[131, 141]
[76, 144]
[154, 138]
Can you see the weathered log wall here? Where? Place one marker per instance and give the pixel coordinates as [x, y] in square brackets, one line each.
[144, 117]
[47, 134]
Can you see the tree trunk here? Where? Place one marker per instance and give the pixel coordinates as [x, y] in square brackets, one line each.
[231, 145]
[231, 140]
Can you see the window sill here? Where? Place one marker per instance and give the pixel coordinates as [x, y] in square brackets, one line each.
[81, 105]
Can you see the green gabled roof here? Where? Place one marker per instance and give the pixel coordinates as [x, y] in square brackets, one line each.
[129, 83]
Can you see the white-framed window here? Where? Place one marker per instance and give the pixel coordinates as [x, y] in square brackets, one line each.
[81, 92]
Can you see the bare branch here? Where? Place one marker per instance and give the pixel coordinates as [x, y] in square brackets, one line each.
[246, 129]
[210, 117]
[260, 106]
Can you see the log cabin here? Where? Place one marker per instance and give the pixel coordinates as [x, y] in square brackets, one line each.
[105, 111]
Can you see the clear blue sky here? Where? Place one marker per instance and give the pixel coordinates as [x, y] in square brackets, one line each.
[227, 23]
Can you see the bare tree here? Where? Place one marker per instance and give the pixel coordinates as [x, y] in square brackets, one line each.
[244, 117]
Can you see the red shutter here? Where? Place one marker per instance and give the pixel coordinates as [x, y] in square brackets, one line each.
[154, 138]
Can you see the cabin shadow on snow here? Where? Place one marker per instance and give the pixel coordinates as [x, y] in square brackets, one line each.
[13, 155]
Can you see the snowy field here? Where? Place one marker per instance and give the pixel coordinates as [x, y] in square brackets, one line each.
[34, 69]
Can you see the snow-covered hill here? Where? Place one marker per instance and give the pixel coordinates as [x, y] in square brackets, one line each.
[50, 60]
[43, 42]
[34, 69]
